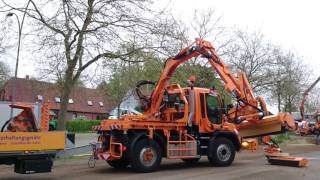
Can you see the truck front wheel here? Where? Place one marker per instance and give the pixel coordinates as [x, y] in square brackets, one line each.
[221, 152]
[118, 164]
[146, 156]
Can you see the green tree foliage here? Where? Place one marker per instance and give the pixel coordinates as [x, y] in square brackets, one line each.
[205, 77]
[125, 75]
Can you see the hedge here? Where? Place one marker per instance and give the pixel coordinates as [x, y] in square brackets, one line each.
[81, 125]
[280, 138]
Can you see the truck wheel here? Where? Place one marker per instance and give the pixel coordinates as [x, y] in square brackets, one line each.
[119, 163]
[221, 152]
[146, 156]
[191, 160]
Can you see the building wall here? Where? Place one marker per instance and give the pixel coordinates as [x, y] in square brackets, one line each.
[30, 91]
[90, 116]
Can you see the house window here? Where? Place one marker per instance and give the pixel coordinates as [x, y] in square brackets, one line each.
[101, 104]
[74, 116]
[90, 103]
[70, 101]
[39, 97]
[57, 99]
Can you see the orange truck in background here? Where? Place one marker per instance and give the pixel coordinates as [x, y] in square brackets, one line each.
[24, 138]
[312, 125]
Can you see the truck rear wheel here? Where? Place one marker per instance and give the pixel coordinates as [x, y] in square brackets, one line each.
[146, 156]
[221, 152]
[118, 164]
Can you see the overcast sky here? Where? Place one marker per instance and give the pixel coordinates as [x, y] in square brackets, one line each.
[292, 24]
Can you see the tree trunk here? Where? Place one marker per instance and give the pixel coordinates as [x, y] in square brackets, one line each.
[290, 109]
[65, 93]
[118, 113]
[279, 96]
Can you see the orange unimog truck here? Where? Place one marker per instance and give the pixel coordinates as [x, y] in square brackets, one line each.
[187, 123]
[25, 140]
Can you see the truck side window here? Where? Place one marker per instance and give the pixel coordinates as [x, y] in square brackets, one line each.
[213, 109]
[202, 101]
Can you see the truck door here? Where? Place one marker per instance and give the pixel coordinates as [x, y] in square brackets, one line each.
[211, 107]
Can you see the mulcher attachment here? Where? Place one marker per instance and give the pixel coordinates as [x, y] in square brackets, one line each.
[287, 161]
[276, 157]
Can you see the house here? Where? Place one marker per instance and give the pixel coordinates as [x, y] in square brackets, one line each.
[83, 103]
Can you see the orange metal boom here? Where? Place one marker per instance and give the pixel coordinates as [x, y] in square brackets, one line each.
[181, 128]
[251, 108]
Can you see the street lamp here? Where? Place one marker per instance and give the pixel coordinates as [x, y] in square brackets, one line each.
[19, 43]
[20, 25]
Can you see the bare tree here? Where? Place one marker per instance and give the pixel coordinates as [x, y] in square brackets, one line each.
[4, 73]
[206, 24]
[312, 103]
[4, 37]
[2, 48]
[4, 68]
[250, 53]
[289, 76]
[74, 34]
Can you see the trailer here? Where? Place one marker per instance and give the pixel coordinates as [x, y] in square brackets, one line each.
[25, 141]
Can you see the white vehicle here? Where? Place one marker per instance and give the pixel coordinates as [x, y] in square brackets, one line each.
[123, 111]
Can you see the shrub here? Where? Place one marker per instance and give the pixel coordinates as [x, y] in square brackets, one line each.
[81, 125]
[283, 137]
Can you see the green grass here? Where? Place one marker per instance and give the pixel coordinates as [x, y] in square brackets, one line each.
[283, 137]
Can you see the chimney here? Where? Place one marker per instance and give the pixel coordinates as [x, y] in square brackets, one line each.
[27, 77]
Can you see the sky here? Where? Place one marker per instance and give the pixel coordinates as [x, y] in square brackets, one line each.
[291, 24]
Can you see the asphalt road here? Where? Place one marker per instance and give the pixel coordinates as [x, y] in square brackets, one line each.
[246, 166]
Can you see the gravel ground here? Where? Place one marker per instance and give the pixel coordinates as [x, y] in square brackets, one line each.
[83, 139]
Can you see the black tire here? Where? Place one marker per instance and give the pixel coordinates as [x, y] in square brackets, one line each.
[221, 152]
[138, 162]
[118, 164]
[191, 160]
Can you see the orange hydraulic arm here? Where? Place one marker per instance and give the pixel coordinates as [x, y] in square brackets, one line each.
[238, 87]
